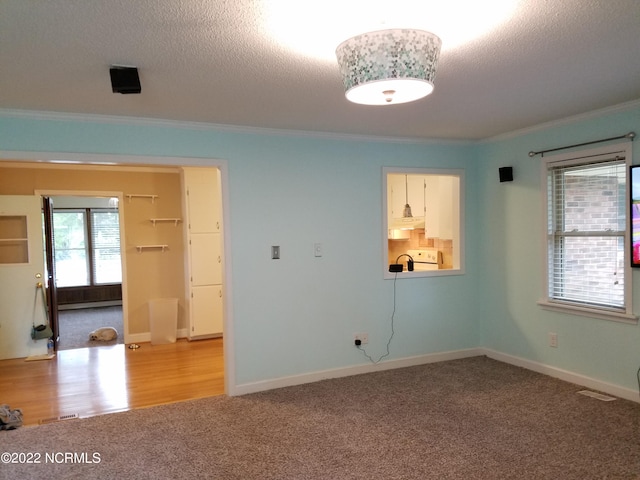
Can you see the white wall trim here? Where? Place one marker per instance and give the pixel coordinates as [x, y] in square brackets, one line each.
[290, 381]
[25, 160]
[145, 337]
[566, 375]
[106, 161]
[233, 129]
[622, 107]
[141, 121]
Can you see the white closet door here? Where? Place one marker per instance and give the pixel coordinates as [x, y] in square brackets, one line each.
[203, 211]
[207, 257]
[206, 303]
[203, 200]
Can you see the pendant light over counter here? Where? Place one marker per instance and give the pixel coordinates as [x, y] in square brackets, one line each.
[406, 213]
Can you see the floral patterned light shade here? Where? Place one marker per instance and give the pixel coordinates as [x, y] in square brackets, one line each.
[389, 66]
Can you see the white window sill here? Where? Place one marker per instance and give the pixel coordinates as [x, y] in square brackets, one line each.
[420, 274]
[600, 313]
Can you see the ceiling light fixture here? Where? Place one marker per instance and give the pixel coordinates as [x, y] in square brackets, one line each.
[387, 67]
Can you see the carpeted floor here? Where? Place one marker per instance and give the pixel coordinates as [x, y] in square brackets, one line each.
[75, 326]
[474, 418]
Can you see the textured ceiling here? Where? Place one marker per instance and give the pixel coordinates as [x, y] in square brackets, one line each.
[216, 62]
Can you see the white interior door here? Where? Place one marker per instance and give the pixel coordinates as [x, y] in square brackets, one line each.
[21, 269]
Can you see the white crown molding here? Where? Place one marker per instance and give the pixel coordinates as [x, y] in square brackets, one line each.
[186, 125]
[39, 160]
[98, 161]
[622, 107]
[235, 129]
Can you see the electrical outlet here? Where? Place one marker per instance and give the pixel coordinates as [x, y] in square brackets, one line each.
[363, 337]
[553, 339]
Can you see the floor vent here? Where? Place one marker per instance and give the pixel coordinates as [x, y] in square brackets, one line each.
[61, 418]
[599, 396]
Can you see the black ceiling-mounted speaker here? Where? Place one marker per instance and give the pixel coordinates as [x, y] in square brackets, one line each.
[506, 174]
[125, 79]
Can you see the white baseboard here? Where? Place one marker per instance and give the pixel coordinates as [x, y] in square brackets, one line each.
[567, 376]
[146, 336]
[254, 387]
[79, 306]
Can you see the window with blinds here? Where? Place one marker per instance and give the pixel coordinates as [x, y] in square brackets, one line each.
[105, 245]
[587, 232]
[71, 248]
[87, 247]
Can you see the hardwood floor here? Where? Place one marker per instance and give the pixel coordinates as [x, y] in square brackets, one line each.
[99, 380]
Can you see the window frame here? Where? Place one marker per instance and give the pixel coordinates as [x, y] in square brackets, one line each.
[91, 230]
[460, 269]
[86, 249]
[584, 157]
[87, 214]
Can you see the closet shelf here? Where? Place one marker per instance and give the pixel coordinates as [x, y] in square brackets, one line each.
[141, 195]
[141, 248]
[174, 220]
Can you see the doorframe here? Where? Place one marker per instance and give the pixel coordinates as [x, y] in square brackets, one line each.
[123, 244]
[150, 161]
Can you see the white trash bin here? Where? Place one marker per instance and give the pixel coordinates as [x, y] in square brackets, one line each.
[163, 320]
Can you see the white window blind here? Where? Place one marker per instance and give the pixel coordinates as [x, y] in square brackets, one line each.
[586, 232]
[105, 242]
[71, 254]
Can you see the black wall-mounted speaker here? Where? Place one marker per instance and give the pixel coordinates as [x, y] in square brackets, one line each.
[506, 174]
[125, 80]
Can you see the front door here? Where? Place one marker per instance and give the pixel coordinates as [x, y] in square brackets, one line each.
[21, 271]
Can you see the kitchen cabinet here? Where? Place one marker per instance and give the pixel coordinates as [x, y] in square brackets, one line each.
[442, 195]
[203, 252]
[207, 311]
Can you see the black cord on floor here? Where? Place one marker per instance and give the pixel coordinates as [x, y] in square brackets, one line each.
[393, 313]
[638, 375]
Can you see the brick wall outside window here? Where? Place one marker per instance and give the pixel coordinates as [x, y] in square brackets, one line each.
[591, 268]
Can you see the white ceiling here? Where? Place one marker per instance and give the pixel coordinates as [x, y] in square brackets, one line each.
[217, 62]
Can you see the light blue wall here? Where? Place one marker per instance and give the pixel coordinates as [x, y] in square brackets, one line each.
[298, 314]
[511, 243]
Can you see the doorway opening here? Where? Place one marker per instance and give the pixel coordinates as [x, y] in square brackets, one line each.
[86, 268]
[153, 247]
